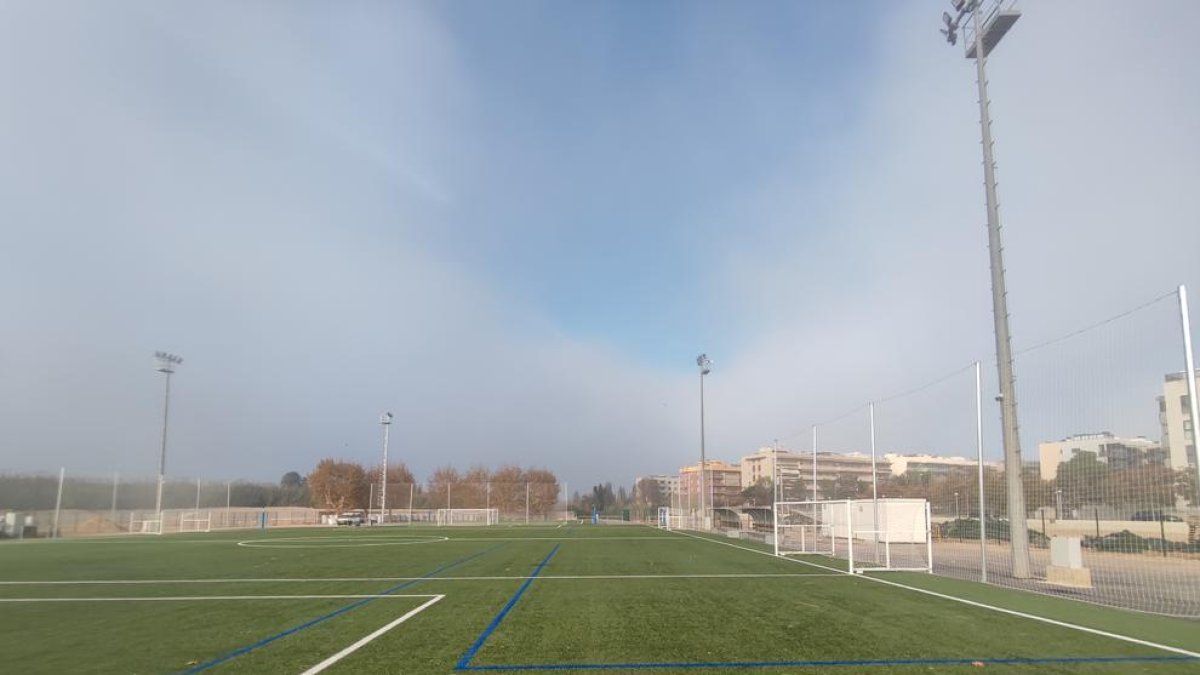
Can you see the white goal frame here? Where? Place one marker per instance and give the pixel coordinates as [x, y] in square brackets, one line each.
[846, 529]
[195, 521]
[144, 525]
[467, 517]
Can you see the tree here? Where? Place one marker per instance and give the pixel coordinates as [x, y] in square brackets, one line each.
[543, 491]
[338, 485]
[291, 479]
[399, 483]
[647, 494]
[442, 488]
[762, 493]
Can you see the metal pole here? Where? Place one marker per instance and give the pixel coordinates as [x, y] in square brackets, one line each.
[162, 457]
[116, 480]
[386, 421]
[1018, 527]
[526, 502]
[1189, 366]
[874, 476]
[197, 494]
[814, 464]
[228, 500]
[979, 456]
[411, 488]
[62, 475]
[703, 463]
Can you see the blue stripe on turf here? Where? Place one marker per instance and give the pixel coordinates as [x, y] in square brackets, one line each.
[830, 664]
[465, 661]
[325, 617]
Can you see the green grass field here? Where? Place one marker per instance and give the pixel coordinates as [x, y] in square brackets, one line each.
[574, 598]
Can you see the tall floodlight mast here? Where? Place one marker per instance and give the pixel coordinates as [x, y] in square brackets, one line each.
[164, 363]
[705, 365]
[386, 420]
[982, 36]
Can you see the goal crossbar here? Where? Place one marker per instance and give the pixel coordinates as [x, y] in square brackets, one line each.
[446, 517]
[870, 535]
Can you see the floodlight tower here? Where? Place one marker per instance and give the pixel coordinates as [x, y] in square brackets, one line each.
[983, 34]
[386, 420]
[164, 363]
[705, 365]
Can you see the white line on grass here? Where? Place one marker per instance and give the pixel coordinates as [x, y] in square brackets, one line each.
[166, 582]
[191, 598]
[973, 603]
[357, 645]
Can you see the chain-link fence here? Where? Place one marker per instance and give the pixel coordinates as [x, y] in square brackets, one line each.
[1108, 477]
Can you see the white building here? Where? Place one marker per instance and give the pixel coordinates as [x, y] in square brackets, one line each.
[1175, 416]
[931, 464]
[668, 486]
[1121, 453]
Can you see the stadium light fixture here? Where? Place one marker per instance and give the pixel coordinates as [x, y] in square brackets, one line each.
[164, 363]
[705, 365]
[984, 35]
[386, 420]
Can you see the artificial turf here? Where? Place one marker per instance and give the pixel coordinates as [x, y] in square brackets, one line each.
[576, 598]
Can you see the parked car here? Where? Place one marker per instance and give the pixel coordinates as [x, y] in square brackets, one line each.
[350, 518]
[1156, 516]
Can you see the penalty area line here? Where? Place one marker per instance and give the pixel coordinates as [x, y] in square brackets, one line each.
[358, 645]
[973, 603]
[194, 598]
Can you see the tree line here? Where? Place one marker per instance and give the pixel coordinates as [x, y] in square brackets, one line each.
[340, 485]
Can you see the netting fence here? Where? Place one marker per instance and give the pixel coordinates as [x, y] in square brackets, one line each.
[1108, 477]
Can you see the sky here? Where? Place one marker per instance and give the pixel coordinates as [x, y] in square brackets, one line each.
[515, 225]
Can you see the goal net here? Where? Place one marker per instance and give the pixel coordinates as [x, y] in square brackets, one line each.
[468, 516]
[141, 524]
[676, 519]
[870, 535]
[195, 521]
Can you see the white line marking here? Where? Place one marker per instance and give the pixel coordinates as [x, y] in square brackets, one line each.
[1002, 610]
[355, 647]
[114, 582]
[190, 598]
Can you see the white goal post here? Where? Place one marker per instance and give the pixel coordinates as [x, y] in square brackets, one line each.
[195, 521]
[871, 535]
[140, 524]
[468, 517]
[675, 519]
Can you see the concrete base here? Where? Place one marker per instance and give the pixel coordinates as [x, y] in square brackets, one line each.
[1075, 577]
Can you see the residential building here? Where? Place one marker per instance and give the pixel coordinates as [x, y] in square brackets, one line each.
[722, 480]
[668, 487]
[790, 470]
[931, 464]
[1121, 453]
[1175, 416]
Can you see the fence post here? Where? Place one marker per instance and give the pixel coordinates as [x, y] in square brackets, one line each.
[526, 502]
[113, 517]
[62, 474]
[979, 455]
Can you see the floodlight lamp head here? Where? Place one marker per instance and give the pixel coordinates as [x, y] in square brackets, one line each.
[166, 362]
[958, 5]
[385, 418]
[705, 364]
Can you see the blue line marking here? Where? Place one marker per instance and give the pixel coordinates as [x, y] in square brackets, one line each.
[829, 664]
[321, 619]
[465, 662]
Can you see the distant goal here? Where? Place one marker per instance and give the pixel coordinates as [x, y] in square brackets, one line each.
[870, 535]
[195, 521]
[142, 524]
[446, 517]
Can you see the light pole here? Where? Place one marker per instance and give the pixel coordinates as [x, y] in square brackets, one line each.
[986, 35]
[164, 363]
[1058, 504]
[705, 365]
[956, 515]
[386, 420]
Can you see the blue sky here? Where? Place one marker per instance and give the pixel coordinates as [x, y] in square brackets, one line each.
[515, 224]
